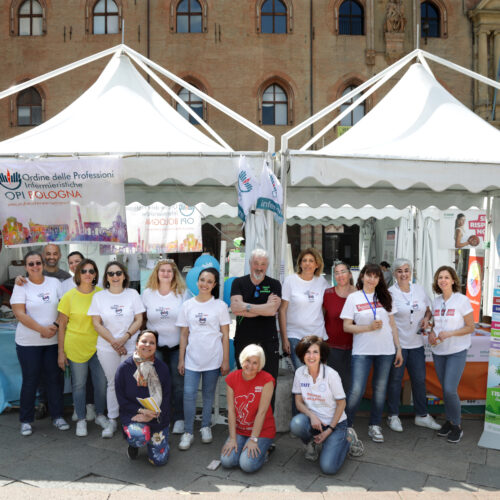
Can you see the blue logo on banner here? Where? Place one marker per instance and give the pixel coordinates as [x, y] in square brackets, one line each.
[496, 292]
[496, 309]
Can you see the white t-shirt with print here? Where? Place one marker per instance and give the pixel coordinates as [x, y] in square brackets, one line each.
[304, 315]
[41, 303]
[374, 342]
[162, 312]
[204, 319]
[409, 323]
[68, 284]
[320, 396]
[117, 311]
[448, 316]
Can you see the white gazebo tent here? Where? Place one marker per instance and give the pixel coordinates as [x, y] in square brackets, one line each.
[419, 146]
[121, 114]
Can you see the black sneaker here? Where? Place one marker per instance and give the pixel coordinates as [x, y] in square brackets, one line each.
[455, 434]
[445, 429]
[132, 452]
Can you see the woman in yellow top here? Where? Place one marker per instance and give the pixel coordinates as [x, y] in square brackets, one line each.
[77, 344]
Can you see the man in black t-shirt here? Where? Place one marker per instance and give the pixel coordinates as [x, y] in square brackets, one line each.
[255, 299]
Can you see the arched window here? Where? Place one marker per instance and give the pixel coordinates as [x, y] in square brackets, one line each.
[274, 106]
[30, 18]
[105, 17]
[430, 19]
[273, 17]
[194, 102]
[189, 16]
[29, 107]
[356, 114]
[351, 18]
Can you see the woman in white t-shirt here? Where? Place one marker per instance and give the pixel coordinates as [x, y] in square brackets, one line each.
[301, 312]
[163, 298]
[412, 319]
[35, 307]
[369, 315]
[203, 352]
[320, 399]
[450, 340]
[117, 316]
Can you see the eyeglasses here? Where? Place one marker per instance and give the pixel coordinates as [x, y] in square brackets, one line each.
[339, 273]
[37, 263]
[92, 271]
[113, 273]
[257, 292]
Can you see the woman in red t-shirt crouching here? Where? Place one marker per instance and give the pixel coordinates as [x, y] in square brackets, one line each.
[250, 417]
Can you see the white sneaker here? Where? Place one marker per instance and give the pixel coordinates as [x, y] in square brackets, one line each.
[206, 435]
[74, 417]
[90, 413]
[312, 451]
[428, 422]
[394, 423]
[60, 424]
[178, 427]
[26, 429]
[101, 421]
[110, 429]
[356, 448]
[375, 432]
[81, 428]
[186, 441]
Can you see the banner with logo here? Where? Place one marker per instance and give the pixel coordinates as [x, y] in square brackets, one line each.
[474, 284]
[491, 434]
[57, 200]
[158, 228]
[247, 188]
[270, 193]
[462, 229]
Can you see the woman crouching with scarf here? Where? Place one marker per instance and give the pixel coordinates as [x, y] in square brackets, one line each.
[139, 377]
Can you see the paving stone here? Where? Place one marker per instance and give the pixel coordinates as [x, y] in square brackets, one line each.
[332, 484]
[440, 484]
[5, 480]
[97, 483]
[493, 458]
[213, 484]
[484, 475]
[382, 478]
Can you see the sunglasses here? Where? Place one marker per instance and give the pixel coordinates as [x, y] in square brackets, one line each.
[37, 263]
[91, 271]
[113, 273]
[257, 292]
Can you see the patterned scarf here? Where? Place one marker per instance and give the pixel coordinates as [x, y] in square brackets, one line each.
[146, 376]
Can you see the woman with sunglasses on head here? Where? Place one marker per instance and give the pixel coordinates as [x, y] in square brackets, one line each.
[163, 298]
[450, 340]
[340, 342]
[300, 313]
[35, 307]
[369, 315]
[412, 319]
[203, 352]
[77, 345]
[74, 258]
[117, 316]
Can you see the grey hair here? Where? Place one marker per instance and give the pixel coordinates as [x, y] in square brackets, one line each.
[401, 262]
[259, 253]
[253, 350]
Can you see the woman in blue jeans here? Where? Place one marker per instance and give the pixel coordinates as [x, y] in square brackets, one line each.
[320, 399]
[368, 315]
[450, 340]
[203, 352]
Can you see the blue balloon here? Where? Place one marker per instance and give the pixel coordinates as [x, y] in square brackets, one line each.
[227, 290]
[207, 261]
[192, 279]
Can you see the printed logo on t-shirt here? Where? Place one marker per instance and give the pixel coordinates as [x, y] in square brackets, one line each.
[202, 318]
[415, 306]
[258, 388]
[163, 312]
[241, 405]
[447, 312]
[118, 309]
[265, 289]
[45, 296]
[305, 384]
[365, 306]
[322, 387]
[311, 296]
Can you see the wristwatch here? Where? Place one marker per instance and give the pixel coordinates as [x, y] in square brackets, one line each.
[248, 307]
[254, 439]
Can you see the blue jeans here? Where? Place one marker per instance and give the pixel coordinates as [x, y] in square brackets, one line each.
[38, 361]
[295, 359]
[139, 434]
[414, 360]
[79, 375]
[171, 358]
[246, 463]
[360, 370]
[335, 446]
[449, 369]
[191, 383]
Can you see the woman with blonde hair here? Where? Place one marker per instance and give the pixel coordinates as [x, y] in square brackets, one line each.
[300, 312]
[163, 298]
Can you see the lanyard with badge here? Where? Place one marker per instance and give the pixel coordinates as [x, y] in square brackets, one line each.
[409, 303]
[374, 307]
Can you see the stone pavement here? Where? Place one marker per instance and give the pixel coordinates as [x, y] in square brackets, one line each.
[53, 464]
